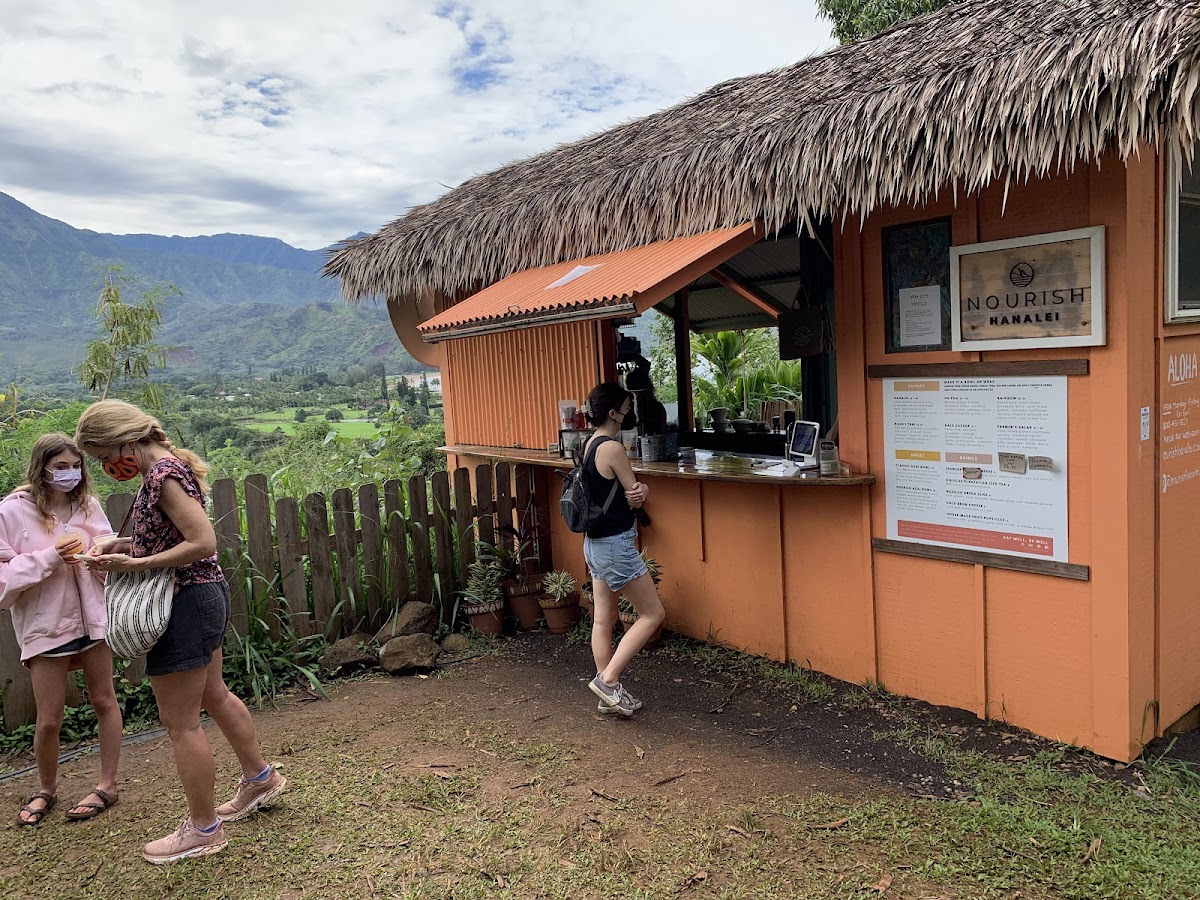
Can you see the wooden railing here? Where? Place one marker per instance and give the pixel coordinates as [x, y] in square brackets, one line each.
[330, 566]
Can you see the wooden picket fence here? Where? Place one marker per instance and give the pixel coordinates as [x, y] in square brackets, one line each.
[328, 567]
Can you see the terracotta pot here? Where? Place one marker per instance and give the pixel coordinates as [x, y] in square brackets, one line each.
[514, 588]
[527, 610]
[487, 619]
[561, 615]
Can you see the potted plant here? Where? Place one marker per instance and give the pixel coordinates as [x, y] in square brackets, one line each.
[587, 601]
[520, 586]
[625, 611]
[483, 597]
[560, 602]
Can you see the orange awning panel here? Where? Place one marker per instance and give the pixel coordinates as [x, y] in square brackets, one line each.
[603, 286]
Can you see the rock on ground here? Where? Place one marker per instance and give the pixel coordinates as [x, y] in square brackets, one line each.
[409, 653]
[456, 643]
[349, 652]
[413, 617]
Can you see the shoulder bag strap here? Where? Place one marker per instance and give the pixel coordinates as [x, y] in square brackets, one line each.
[596, 442]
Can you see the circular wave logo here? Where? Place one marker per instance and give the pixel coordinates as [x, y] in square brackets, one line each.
[1021, 275]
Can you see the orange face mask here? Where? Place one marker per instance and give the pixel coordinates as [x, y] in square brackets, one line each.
[123, 468]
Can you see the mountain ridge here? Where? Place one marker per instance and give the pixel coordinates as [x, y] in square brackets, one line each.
[236, 291]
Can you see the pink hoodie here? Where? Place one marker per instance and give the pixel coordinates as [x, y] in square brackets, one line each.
[51, 602]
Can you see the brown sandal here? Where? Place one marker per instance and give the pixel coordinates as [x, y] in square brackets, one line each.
[93, 809]
[38, 814]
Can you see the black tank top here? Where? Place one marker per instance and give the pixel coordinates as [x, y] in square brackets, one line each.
[619, 517]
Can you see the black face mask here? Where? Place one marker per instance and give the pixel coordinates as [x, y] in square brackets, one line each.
[628, 421]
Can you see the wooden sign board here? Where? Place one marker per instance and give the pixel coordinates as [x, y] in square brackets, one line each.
[1041, 291]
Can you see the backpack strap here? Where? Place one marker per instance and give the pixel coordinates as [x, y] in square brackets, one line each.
[591, 454]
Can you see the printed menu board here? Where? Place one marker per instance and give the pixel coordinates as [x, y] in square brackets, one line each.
[978, 463]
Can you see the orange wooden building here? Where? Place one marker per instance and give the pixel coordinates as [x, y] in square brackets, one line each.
[1012, 289]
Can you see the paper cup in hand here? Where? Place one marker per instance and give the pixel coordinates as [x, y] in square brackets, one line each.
[71, 542]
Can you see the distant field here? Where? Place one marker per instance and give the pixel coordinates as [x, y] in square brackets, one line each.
[285, 421]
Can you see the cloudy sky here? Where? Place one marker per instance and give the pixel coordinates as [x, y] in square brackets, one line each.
[311, 121]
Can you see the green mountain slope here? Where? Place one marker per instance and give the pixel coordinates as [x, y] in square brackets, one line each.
[243, 298]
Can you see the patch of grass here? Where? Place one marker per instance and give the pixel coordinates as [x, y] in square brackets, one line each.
[463, 808]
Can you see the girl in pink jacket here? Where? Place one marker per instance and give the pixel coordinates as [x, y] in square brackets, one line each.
[58, 612]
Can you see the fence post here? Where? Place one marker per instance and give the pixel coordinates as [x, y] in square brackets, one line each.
[544, 482]
[526, 518]
[345, 542]
[261, 548]
[227, 524]
[504, 503]
[291, 565]
[372, 551]
[397, 535]
[316, 516]
[483, 503]
[19, 708]
[418, 517]
[442, 538]
[464, 522]
[115, 508]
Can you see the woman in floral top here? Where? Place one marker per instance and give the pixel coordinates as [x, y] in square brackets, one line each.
[171, 530]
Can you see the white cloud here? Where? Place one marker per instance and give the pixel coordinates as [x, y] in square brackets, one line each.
[311, 121]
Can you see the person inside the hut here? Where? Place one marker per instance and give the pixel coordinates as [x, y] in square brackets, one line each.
[171, 529]
[58, 613]
[651, 414]
[610, 548]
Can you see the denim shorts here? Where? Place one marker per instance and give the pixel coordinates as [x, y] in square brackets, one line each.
[614, 560]
[196, 629]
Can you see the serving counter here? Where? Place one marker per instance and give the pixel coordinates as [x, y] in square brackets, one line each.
[749, 558]
[709, 466]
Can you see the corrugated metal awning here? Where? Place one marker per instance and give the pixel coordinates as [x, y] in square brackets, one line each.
[603, 286]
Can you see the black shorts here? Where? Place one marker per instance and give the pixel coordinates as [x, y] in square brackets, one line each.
[199, 615]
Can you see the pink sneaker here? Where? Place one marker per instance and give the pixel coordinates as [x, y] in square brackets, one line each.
[184, 843]
[252, 796]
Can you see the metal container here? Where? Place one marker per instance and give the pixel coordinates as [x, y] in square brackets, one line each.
[659, 447]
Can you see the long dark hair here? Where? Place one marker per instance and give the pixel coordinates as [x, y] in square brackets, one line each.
[603, 399]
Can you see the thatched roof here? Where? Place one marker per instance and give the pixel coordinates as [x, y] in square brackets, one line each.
[978, 91]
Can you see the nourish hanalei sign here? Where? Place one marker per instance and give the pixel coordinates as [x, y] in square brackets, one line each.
[1045, 290]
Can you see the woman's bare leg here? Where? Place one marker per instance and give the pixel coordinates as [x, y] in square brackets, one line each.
[234, 720]
[642, 593]
[98, 674]
[179, 697]
[49, 677]
[604, 618]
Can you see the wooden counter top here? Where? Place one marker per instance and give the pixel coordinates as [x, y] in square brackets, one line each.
[707, 468]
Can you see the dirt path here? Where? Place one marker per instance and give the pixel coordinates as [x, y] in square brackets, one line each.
[497, 777]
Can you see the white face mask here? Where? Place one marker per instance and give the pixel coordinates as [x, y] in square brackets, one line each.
[65, 480]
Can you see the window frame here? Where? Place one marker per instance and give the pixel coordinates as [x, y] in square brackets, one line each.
[1172, 196]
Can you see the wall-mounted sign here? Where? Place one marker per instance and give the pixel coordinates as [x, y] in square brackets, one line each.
[1040, 291]
[916, 280]
[978, 464]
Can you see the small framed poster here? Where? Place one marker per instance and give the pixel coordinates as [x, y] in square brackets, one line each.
[1046, 290]
[916, 278]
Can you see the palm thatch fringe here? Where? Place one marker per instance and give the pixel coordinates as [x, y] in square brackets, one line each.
[978, 91]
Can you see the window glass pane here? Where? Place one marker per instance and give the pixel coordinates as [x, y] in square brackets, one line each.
[1189, 239]
[1189, 254]
[1191, 180]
